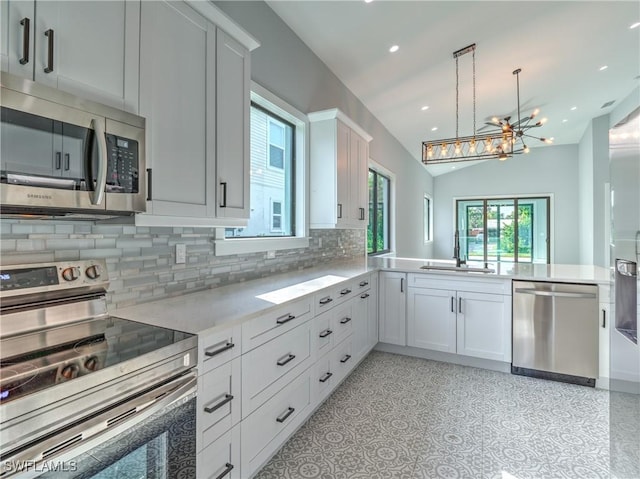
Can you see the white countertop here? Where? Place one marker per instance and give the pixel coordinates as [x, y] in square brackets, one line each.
[232, 304]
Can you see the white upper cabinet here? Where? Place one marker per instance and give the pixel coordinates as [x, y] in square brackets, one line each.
[195, 94]
[88, 48]
[339, 171]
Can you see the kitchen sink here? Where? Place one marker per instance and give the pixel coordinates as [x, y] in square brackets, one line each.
[462, 269]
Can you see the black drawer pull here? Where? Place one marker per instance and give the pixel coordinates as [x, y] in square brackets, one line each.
[227, 398]
[228, 468]
[284, 417]
[345, 359]
[26, 23]
[345, 291]
[604, 318]
[285, 319]
[364, 296]
[219, 351]
[326, 377]
[364, 283]
[289, 357]
[326, 300]
[325, 333]
[345, 320]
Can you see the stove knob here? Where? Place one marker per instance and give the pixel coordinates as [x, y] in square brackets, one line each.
[69, 372]
[71, 274]
[93, 271]
[91, 363]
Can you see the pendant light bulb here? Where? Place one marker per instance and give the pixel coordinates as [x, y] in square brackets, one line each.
[472, 146]
[457, 149]
[526, 149]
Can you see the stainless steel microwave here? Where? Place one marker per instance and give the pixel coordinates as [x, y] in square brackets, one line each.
[61, 155]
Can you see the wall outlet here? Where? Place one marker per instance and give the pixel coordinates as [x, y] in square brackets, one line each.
[181, 253]
[271, 255]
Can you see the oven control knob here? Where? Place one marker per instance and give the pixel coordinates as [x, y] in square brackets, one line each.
[69, 372]
[71, 274]
[91, 363]
[93, 271]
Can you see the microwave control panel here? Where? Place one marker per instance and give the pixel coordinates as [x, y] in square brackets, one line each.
[123, 165]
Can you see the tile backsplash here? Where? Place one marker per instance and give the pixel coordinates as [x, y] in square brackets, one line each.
[141, 260]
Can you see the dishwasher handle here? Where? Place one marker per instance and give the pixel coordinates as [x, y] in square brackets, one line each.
[556, 294]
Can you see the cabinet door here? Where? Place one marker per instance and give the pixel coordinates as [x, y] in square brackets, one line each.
[175, 94]
[94, 51]
[221, 458]
[232, 128]
[372, 320]
[392, 309]
[342, 170]
[358, 180]
[431, 319]
[16, 51]
[603, 347]
[360, 326]
[484, 325]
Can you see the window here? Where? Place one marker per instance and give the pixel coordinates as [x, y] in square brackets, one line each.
[505, 229]
[272, 172]
[427, 218]
[379, 220]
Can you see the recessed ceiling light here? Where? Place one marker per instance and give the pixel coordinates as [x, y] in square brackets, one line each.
[603, 67]
[635, 25]
[573, 108]
[394, 48]
[424, 108]
[434, 128]
[453, 167]
[565, 120]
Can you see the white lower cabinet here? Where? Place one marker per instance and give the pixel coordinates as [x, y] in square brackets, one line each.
[392, 307]
[322, 379]
[221, 459]
[266, 429]
[342, 360]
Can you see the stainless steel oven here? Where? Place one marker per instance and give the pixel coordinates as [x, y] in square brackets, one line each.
[82, 392]
[62, 155]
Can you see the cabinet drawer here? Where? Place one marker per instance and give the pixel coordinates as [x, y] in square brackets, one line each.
[342, 360]
[266, 430]
[362, 283]
[266, 369]
[333, 296]
[461, 282]
[342, 319]
[268, 326]
[323, 334]
[322, 380]
[218, 401]
[218, 348]
[221, 459]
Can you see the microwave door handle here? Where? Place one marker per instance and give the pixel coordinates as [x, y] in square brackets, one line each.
[98, 193]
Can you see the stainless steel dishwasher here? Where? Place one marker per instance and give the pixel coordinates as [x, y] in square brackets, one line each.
[555, 331]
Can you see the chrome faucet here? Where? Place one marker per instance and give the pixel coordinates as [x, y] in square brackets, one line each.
[456, 250]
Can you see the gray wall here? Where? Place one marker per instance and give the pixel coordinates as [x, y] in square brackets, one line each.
[546, 170]
[285, 65]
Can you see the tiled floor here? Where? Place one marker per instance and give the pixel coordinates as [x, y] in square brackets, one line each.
[403, 417]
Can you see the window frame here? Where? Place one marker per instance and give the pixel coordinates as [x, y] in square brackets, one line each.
[267, 100]
[372, 217]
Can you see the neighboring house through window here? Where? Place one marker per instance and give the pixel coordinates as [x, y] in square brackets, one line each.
[277, 133]
[276, 216]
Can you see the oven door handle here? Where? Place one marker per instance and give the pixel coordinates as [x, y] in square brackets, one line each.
[107, 424]
[101, 180]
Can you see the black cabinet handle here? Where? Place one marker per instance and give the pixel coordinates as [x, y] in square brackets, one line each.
[345, 291]
[26, 23]
[223, 184]
[67, 162]
[210, 409]
[326, 300]
[326, 377]
[219, 351]
[345, 320]
[364, 296]
[325, 333]
[288, 358]
[149, 183]
[339, 210]
[364, 283]
[58, 160]
[453, 300]
[459, 305]
[49, 67]
[362, 213]
[604, 318]
[285, 318]
[345, 359]
[228, 468]
[402, 285]
[284, 417]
